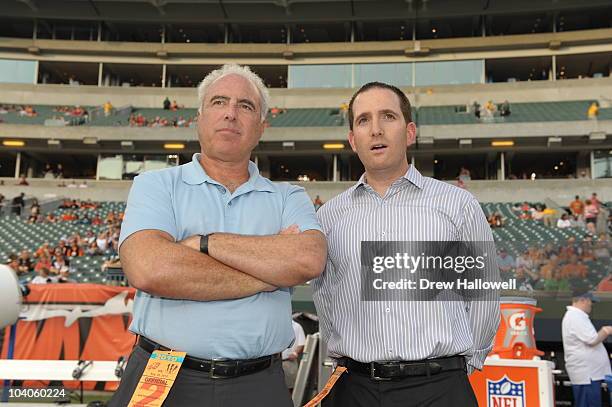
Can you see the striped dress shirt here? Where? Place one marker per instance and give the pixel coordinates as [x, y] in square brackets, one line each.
[414, 208]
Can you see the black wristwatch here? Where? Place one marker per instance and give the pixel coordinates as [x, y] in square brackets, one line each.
[204, 243]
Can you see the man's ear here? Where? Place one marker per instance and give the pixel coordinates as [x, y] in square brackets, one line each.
[351, 140]
[410, 134]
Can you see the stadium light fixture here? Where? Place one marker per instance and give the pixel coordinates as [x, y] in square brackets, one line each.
[502, 143]
[53, 143]
[174, 146]
[13, 143]
[333, 146]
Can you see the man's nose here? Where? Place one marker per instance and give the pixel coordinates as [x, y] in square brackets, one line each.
[230, 112]
[376, 128]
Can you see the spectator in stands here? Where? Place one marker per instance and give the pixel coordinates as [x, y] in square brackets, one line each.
[75, 250]
[605, 285]
[48, 171]
[18, 204]
[44, 249]
[13, 262]
[558, 282]
[166, 104]
[577, 207]
[92, 249]
[549, 268]
[61, 250]
[574, 269]
[590, 215]
[526, 279]
[43, 276]
[504, 109]
[60, 264]
[343, 109]
[593, 111]
[506, 264]
[25, 262]
[495, 220]
[464, 174]
[23, 181]
[108, 108]
[564, 222]
[103, 241]
[537, 214]
[43, 262]
[586, 358]
[28, 111]
[64, 277]
[59, 171]
[476, 109]
[595, 201]
[174, 106]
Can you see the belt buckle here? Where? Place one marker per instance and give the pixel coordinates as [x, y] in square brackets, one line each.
[213, 363]
[434, 368]
[373, 374]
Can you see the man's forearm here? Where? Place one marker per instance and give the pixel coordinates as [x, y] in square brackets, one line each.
[177, 271]
[281, 260]
[601, 336]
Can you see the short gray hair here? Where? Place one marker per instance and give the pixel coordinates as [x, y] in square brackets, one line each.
[234, 69]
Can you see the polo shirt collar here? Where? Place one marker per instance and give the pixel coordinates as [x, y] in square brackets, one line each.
[412, 175]
[194, 174]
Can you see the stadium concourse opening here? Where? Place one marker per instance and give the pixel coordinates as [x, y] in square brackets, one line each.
[513, 114]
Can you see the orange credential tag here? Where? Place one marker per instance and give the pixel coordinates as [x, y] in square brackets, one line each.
[157, 379]
[328, 386]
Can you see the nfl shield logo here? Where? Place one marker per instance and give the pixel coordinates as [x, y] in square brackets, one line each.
[505, 393]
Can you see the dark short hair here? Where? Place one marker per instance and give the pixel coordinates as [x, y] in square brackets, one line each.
[403, 99]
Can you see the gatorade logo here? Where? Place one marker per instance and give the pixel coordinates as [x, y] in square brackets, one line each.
[517, 321]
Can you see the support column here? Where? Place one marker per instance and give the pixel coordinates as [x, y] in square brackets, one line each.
[36, 68]
[100, 70]
[335, 169]
[553, 75]
[502, 169]
[98, 167]
[163, 78]
[17, 165]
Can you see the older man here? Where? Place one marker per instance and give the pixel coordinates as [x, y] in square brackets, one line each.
[398, 353]
[212, 247]
[586, 359]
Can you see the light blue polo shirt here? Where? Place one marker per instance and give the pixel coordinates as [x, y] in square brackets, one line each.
[184, 201]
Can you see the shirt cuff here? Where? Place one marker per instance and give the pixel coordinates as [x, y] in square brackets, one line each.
[476, 361]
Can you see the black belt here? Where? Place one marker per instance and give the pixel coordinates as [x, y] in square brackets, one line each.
[397, 369]
[217, 368]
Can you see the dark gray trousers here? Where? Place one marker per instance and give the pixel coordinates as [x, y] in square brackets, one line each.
[194, 388]
[447, 389]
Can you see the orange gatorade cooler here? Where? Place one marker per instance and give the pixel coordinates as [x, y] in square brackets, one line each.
[515, 337]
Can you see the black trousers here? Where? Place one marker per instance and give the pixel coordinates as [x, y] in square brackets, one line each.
[194, 388]
[450, 388]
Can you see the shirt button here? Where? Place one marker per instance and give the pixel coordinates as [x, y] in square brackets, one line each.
[229, 203]
[387, 309]
[382, 233]
[390, 351]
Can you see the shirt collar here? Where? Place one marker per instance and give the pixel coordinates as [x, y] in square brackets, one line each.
[194, 174]
[412, 175]
[572, 308]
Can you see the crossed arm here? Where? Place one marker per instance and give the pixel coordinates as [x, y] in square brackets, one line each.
[237, 266]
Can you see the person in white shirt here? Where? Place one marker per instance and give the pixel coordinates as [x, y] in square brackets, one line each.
[564, 222]
[291, 355]
[586, 359]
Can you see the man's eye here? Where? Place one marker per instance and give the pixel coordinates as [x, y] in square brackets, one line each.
[246, 106]
[362, 120]
[388, 116]
[218, 102]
